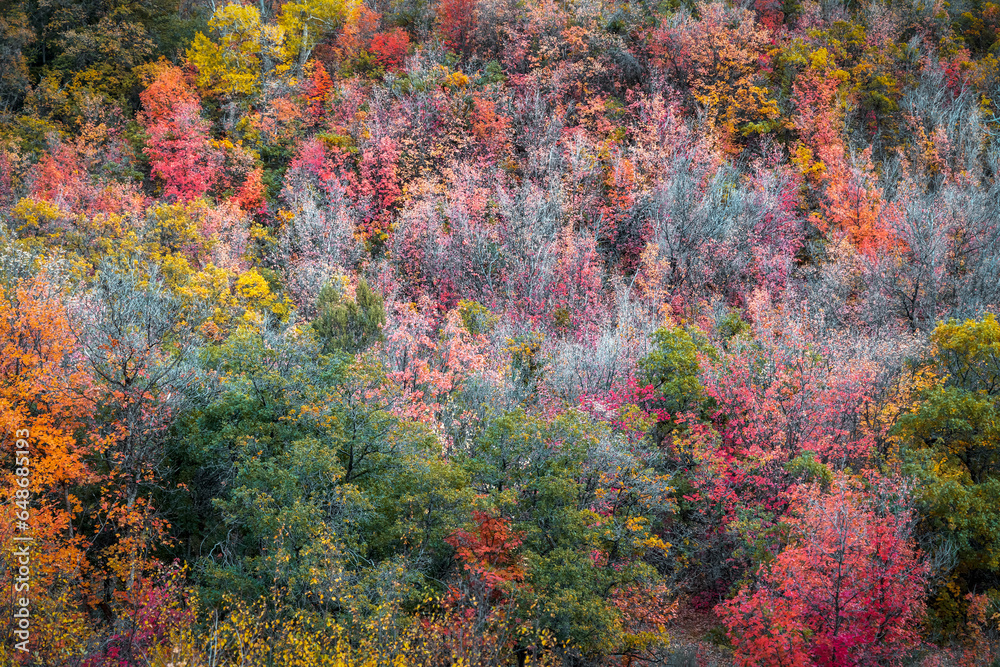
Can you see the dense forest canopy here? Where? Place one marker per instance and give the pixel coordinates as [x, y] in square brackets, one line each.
[500, 332]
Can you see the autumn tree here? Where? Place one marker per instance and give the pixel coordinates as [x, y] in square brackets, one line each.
[48, 414]
[179, 149]
[950, 436]
[717, 59]
[848, 589]
[306, 23]
[136, 344]
[390, 48]
[457, 22]
[244, 51]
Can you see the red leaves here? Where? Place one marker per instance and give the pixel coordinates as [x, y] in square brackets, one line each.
[178, 148]
[847, 591]
[251, 195]
[718, 59]
[489, 553]
[617, 210]
[854, 206]
[374, 188]
[159, 607]
[769, 13]
[479, 622]
[457, 21]
[390, 48]
[311, 159]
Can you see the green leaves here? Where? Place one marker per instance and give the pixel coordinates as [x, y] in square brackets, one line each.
[348, 325]
[584, 507]
[672, 369]
[952, 445]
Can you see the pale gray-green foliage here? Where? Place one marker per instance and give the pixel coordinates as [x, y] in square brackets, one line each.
[348, 325]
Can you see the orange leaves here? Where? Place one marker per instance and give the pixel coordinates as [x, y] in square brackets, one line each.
[380, 183]
[429, 368]
[850, 201]
[490, 129]
[169, 88]
[644, 608]
[853, 205]
[817, 114]
[719, 58]
[318, 90]
[41, 392]
[359, 27]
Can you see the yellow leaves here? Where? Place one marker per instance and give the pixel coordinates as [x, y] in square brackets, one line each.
[970, 342]
[175, 229]
[810, 168]
[636, 523]
[819, 59]
[209, 284]
[254, 291]
[721, 61]
[450, 79]
[233, 65]
[252, 286]
[655, 542]
[304, 24]
[35, 215]
[176, 270]
[41, 393]
[456, 80]
[984, 75]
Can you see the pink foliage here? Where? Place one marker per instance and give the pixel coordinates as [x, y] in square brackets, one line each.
[571, 298]
[429, 359]
[79, 176]
[226, 230]
[320, 239]
[445, 246]
[379, 186]
[805, 397]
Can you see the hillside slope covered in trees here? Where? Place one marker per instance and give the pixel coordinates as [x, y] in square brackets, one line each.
[493, 332]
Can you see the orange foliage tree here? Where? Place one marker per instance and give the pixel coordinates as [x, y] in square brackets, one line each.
[44, 410]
